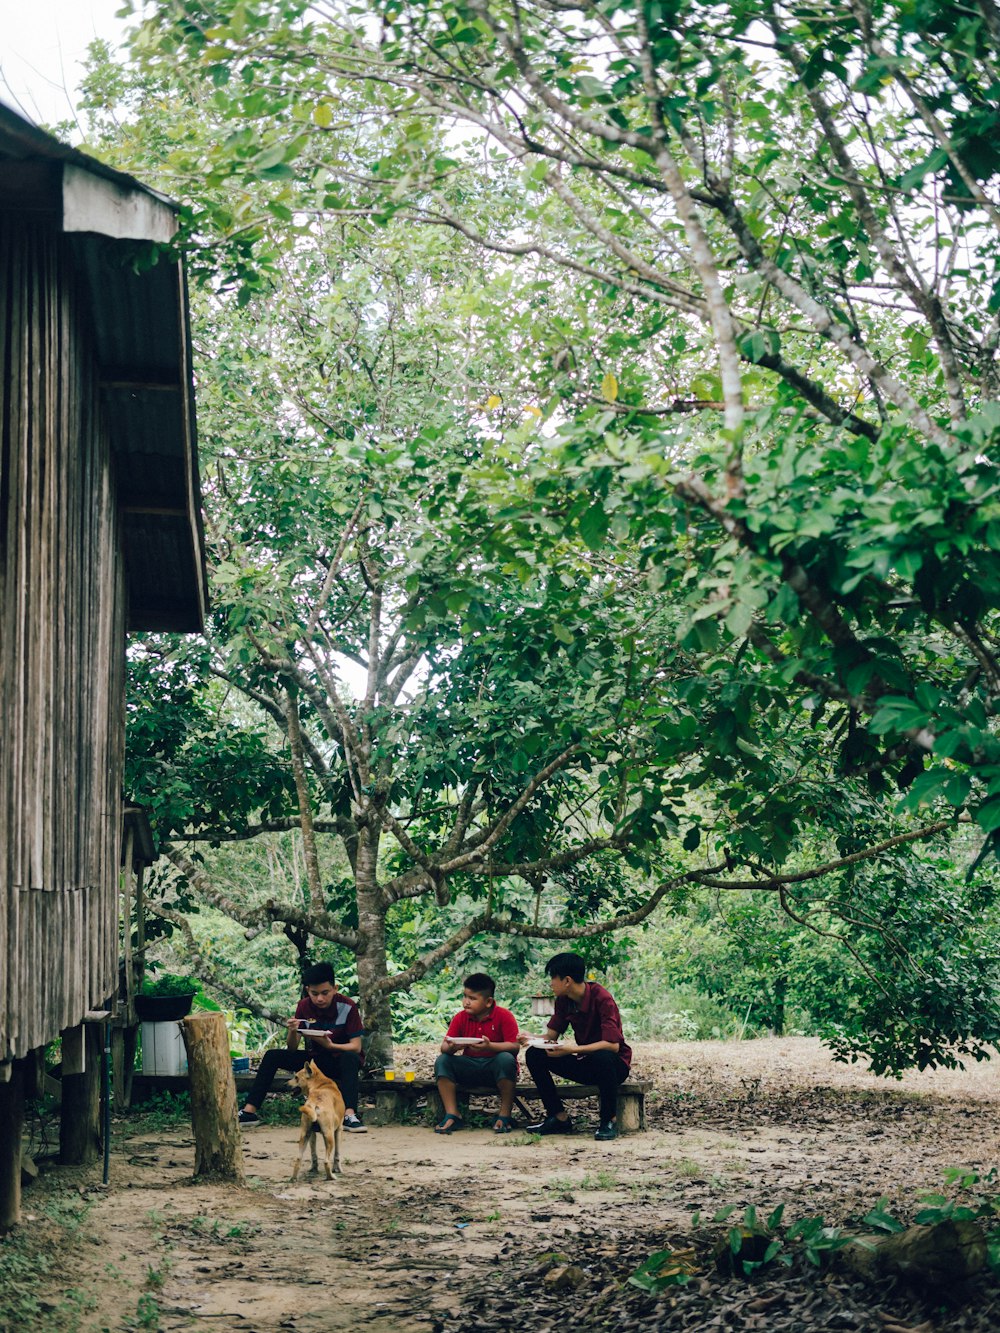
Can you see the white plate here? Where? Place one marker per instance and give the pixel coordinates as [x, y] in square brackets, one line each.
[464, 1041]
[314, 1032]
[542, 1044]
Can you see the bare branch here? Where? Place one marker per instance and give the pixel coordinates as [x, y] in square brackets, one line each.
[206, 970]
[316, 923]
[773, 882]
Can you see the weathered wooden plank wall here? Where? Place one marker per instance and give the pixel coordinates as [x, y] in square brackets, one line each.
[62, 637]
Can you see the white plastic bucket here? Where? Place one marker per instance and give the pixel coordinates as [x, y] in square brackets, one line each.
[163, 1050]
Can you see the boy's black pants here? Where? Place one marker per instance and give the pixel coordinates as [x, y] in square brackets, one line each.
[604, 1068]
[342, 1066]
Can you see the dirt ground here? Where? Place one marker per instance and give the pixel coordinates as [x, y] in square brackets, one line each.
[425, 1232]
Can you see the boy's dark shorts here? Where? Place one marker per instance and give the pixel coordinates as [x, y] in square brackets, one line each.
[475, 1071]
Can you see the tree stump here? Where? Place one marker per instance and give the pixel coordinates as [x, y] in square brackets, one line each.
[218, 1146]
[941, 1255]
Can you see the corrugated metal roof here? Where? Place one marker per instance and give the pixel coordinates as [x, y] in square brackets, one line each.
[142, 344]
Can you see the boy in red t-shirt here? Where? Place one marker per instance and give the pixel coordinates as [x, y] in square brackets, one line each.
[485, 1052]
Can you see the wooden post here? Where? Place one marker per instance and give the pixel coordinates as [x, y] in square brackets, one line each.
[125, 913]
[123, 1044]
[218, 1145]
[11, 1129]
[125, 1030]
[80, 1104]
[139, 965]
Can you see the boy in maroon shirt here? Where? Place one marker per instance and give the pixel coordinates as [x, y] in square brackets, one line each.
[598, 1054]
[337, 1055]
[485, 1053]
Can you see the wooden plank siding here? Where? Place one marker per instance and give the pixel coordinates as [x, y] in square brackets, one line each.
[62, 651]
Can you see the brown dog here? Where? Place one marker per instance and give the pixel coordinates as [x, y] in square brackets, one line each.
[322, 1113]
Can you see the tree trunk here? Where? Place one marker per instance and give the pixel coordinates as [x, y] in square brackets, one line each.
[778, 1013]
[371, 959]
[218, 1148]
[80, 1104]
[11, 1129]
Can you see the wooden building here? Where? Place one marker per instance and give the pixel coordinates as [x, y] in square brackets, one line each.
[100, 533]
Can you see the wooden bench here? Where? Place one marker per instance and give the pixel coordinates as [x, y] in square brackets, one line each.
[394, 1098]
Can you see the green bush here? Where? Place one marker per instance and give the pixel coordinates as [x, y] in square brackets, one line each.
[168, 983]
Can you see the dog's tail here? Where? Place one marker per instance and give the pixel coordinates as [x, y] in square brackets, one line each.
[310, 1108]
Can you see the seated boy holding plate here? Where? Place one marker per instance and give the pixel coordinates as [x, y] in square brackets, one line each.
[480, 1048]
[332, 1026]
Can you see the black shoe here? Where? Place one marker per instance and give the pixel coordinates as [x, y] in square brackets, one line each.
[607, 1130]
[551, 1125]
[353, 1125]
[247, 1118]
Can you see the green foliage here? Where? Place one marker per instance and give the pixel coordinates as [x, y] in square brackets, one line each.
[664, 1268]
[168, 983]
[28, 1256]
[817, 1239]
[972, 1196]
[666, 542]
[163, 1110]
[147, 1312]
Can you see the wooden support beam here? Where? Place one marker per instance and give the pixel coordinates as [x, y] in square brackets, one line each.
[80, 1107]
[74, 1051]
[11, 1129]
[34, 1074]
[123, 1043]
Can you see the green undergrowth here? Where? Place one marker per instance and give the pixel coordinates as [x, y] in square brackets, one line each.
[754, 1241]
[29, 1255]
[171, 1110]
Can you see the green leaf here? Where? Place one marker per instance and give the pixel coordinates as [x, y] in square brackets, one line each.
[594, 526]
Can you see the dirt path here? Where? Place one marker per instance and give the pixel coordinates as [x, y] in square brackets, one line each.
[424, 1232]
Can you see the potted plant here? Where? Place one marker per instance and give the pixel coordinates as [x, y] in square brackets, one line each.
[164, 998]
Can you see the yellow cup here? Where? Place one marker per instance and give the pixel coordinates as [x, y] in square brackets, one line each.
[410, 1075]
[390, 1074]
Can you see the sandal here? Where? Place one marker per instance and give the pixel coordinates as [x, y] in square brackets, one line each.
[503, 1124]
[449, 1124]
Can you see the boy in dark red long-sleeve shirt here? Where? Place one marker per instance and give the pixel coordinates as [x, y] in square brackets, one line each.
[598, 1053]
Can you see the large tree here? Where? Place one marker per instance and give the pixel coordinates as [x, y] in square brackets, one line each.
[725, 438]
[790, 213]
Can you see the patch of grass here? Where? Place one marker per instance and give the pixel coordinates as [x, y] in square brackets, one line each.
[220, 1230]
[147, 1312]
[280, 1110]
[29, 1255]
[518, 1140]
[164, 1110]
[687, 1166]
[559, 1185]
[155, 1277]
[601, 1180]
[646, 1188]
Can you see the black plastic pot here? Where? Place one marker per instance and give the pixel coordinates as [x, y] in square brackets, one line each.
[162, 1008]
